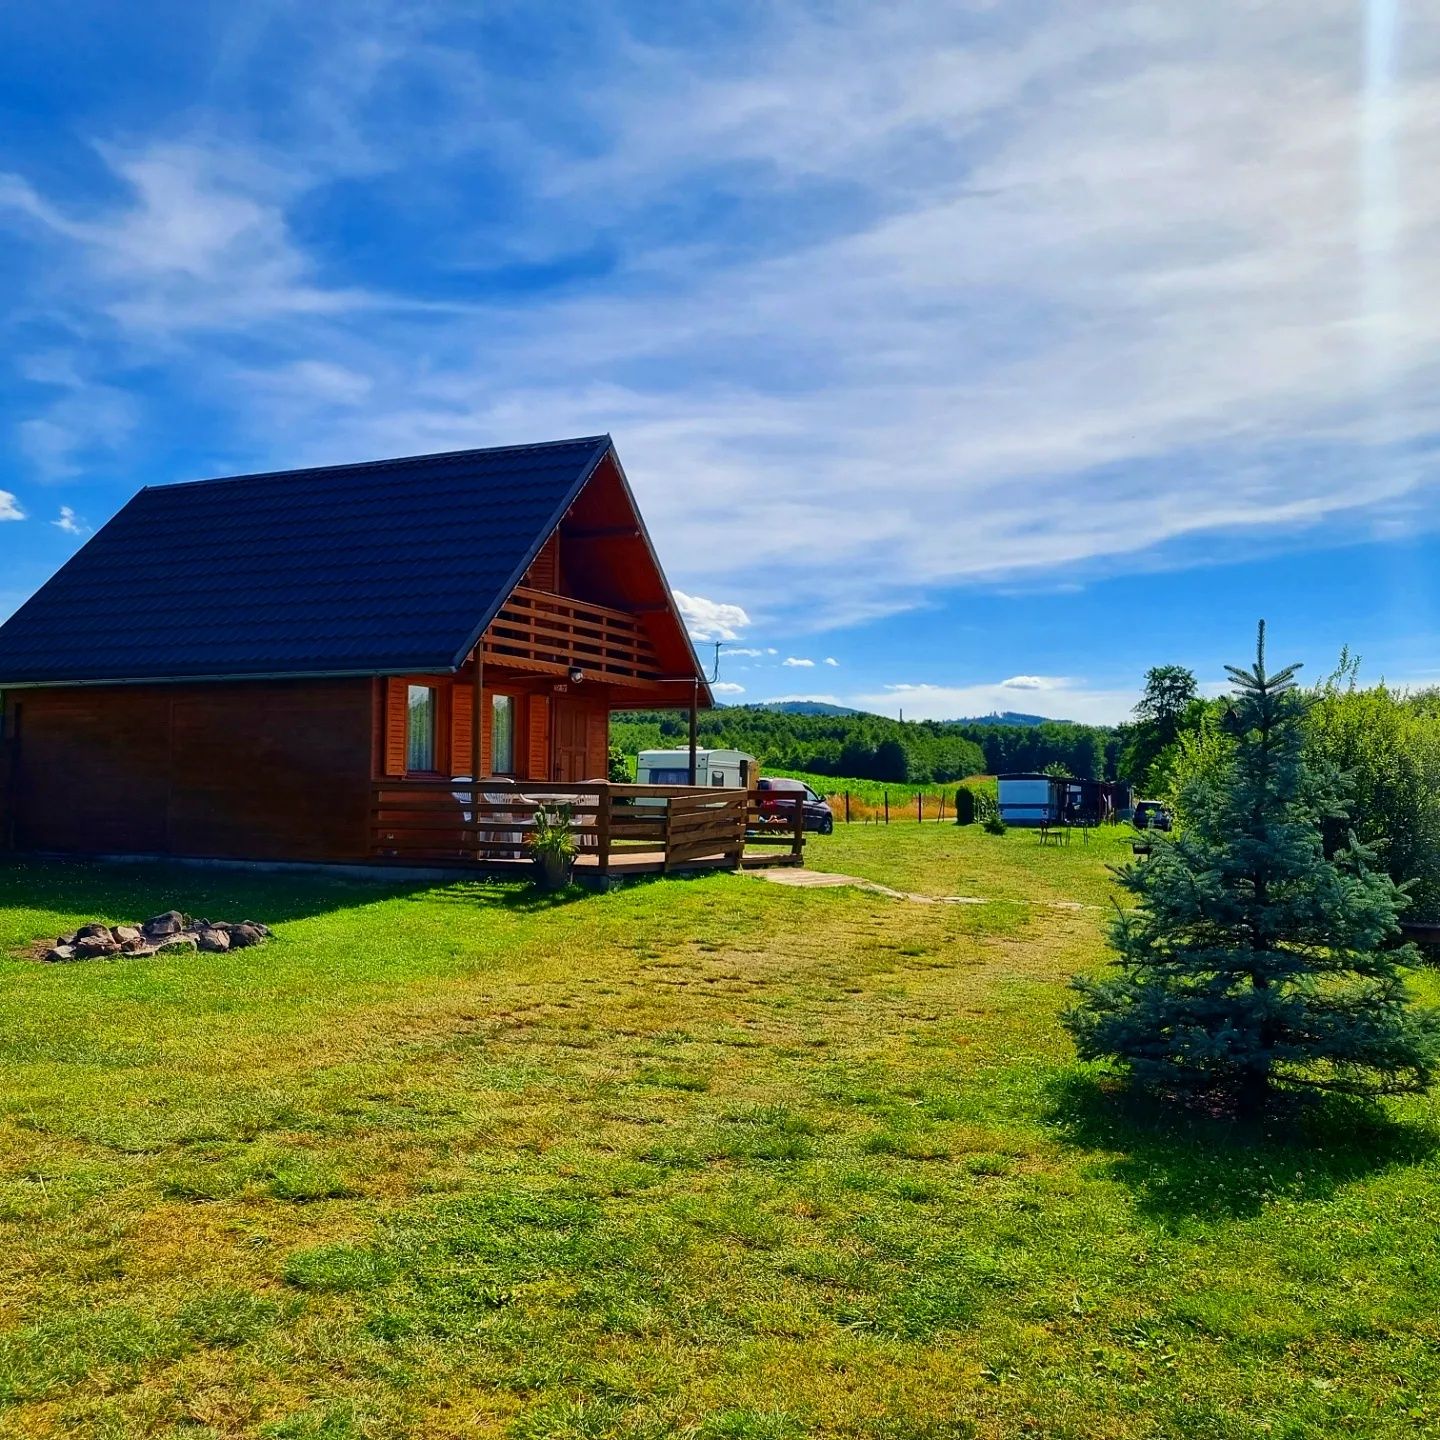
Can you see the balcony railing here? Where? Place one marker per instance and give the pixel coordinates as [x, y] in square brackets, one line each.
[553, 633]
[617, 828]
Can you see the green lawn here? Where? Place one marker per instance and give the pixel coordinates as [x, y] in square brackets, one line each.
[944, 859]
[699, 1157]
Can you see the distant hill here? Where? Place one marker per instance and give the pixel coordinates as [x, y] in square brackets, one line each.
[1008, 717]
[804, 707]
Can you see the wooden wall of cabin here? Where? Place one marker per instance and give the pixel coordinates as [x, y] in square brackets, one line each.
[256, 770]
[560, 734]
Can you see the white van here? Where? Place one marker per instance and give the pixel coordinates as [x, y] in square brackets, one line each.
[730, 769]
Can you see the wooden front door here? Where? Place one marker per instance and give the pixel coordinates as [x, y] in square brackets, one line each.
[570, 726]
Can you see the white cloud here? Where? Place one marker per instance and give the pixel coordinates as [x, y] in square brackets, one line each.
[711, 619]
[798, 663]
[727, 687]
[1061, 699]
[70, 523]
[1027, 682]
[10, 507]
[831, 660]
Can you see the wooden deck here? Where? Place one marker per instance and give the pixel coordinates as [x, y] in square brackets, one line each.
[619, 830]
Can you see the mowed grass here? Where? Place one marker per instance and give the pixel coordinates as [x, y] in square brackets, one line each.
[708, 1158]
[946, 859]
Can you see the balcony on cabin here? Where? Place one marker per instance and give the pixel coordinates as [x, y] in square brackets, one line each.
[551, 633]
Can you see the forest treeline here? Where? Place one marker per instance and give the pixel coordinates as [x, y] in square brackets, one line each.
[874, 747]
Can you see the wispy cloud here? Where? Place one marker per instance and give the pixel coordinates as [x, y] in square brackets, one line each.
[961, 292]
[70, 522]
[831, 660]
[1058, 699]
[10, 507]
[727, 687]
[797, 662]
[200, 240]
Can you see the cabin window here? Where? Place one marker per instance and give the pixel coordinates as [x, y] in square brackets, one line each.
[502, 734]
[420, 729]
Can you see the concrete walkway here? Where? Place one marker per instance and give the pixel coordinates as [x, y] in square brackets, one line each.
[824, 880]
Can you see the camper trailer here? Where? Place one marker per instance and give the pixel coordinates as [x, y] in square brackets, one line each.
[1053, 800]
[732, 769]
[1027, 799]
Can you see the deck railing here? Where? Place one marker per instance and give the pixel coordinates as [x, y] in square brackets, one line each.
[554, 632]
[634, 827]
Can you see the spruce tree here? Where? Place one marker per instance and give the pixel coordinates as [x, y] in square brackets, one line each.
[1251, 961]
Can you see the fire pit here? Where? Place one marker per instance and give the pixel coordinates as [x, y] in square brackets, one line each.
[173, 933]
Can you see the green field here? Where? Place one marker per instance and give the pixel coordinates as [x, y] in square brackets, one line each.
[869, 797]
[706, 1157]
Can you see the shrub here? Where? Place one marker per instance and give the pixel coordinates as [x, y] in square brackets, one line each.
[987, 811]
[1388, 745]
[965, 806]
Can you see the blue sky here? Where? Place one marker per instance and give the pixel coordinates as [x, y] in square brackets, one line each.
[978, 355]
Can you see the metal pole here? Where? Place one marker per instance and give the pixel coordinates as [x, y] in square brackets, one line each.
[694, 731]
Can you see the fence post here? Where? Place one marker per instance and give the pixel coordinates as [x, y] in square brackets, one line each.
[941, 816]
[797, 848]
[919, 808]
[887, 807]
[847, 807]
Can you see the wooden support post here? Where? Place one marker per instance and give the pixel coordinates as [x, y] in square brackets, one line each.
[847, 807]
[919, 807]
[887, 807]
[477, 747]
[694, 732]
[797, 847]
[602, 831]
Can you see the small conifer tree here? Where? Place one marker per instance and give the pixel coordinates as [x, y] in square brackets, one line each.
[1252, 961]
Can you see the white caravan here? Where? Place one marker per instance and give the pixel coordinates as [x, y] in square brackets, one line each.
[730, 769]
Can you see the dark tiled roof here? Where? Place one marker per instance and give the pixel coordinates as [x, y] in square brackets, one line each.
[392, 565]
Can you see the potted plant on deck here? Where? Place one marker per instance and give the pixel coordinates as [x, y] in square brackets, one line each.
[552, 847]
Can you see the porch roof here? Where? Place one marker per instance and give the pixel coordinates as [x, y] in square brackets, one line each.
[383, 567]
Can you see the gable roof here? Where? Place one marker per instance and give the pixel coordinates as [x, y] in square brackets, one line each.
[388, 566]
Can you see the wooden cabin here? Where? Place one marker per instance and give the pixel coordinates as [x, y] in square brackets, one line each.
[252, 668]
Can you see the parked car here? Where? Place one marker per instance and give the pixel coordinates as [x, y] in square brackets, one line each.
[1152, 815]
[818, 815]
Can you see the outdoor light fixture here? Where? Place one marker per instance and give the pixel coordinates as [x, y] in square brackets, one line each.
[576, 674]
